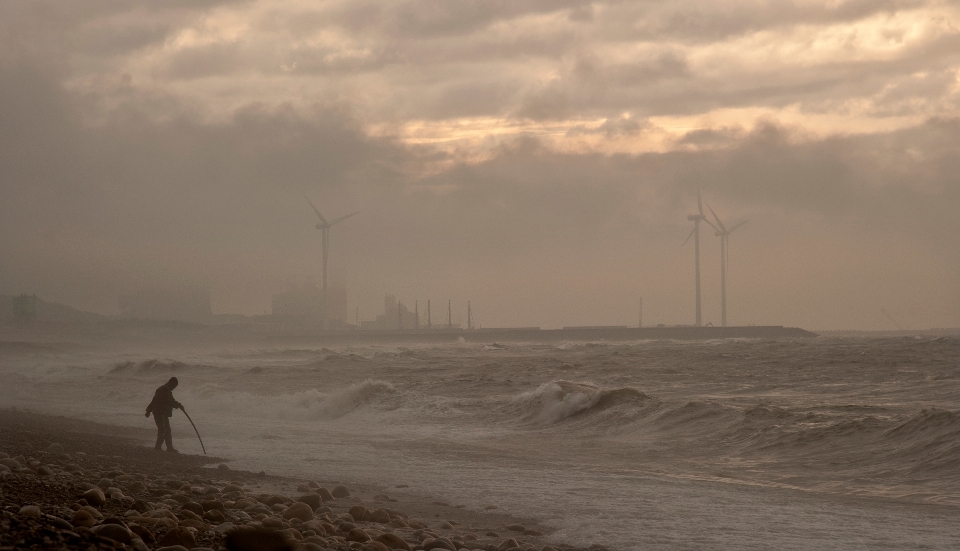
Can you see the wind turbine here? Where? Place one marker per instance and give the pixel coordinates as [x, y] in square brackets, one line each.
[724, 234]
[696, 219]
[324, 228]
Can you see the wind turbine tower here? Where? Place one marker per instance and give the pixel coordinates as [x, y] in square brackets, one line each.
[724, 234]
[324, 228]
[696, 219]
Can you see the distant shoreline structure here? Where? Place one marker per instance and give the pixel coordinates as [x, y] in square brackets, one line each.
[587, 333]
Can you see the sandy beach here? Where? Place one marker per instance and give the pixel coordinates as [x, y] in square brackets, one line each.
[71, 484]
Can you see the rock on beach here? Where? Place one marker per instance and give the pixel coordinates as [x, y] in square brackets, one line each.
[178, 536]
[158, 501]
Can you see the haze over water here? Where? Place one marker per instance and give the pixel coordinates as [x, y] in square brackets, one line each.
[822, 443]
[541, 162]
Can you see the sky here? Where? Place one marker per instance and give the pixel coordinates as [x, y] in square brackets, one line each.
[537, 158]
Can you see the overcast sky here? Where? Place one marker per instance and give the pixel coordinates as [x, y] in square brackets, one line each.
[538, 158]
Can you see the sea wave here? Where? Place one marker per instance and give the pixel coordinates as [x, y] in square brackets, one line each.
[151, 366]
[305, 405]
[562, 401]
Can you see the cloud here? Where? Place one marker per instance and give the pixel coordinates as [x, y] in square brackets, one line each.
[536, 158]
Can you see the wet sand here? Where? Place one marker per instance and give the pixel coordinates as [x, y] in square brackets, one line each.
[70, 484]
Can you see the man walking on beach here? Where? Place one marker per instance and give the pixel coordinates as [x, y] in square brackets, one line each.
[162, 408]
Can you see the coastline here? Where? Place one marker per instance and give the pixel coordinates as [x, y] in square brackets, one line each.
[152, 500]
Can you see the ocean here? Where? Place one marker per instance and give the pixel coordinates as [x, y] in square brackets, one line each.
[823, 443]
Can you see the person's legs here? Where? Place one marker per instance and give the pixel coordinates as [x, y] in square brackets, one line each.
[163, 426]
[168, 435]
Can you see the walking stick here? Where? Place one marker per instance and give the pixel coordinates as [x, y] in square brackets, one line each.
[195, 430]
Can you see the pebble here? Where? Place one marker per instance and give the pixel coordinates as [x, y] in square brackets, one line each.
[393, 541]
[215, 516]
[83, 518]
[256, 539]
[325, 494]
[359, 513]
[193, 507]
[94, 497]
[272, 522]
[173, 548]
[313, 500]
[55, 448]
[212, 504]
[58, 522]
[114, 532]
[12, 464]
[178, 536]
[223, 528]
[439, 543]
[516, 527]
[340, 492]
[142, 533]
[360, 536]
[30, 511]
[300, 511]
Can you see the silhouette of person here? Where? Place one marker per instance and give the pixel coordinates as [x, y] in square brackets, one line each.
[162, 407]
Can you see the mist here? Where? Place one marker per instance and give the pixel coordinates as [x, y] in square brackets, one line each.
[538, 161]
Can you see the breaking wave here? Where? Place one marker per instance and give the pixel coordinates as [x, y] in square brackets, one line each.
[147, 367]
[560, 401]
[305, 405]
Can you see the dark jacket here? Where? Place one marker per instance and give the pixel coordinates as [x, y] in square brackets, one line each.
[163, 402]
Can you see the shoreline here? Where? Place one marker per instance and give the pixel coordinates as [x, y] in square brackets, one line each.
[154, 499]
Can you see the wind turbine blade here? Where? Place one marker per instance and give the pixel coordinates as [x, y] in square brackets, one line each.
[709, 223]
[715, 217]
[699, 202]
[342, 218]
[738, 225]
[689, 236]
[320, 216]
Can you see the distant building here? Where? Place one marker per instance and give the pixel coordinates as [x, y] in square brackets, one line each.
[337, 317]
[395, 316]
[302, 303]
[298, 302]
[189, 304]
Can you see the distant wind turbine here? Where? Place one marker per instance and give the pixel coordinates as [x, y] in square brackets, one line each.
[724, 234]
[324, 228]
[696, 219]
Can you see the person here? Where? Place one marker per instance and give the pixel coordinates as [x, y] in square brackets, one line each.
[162, 407]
